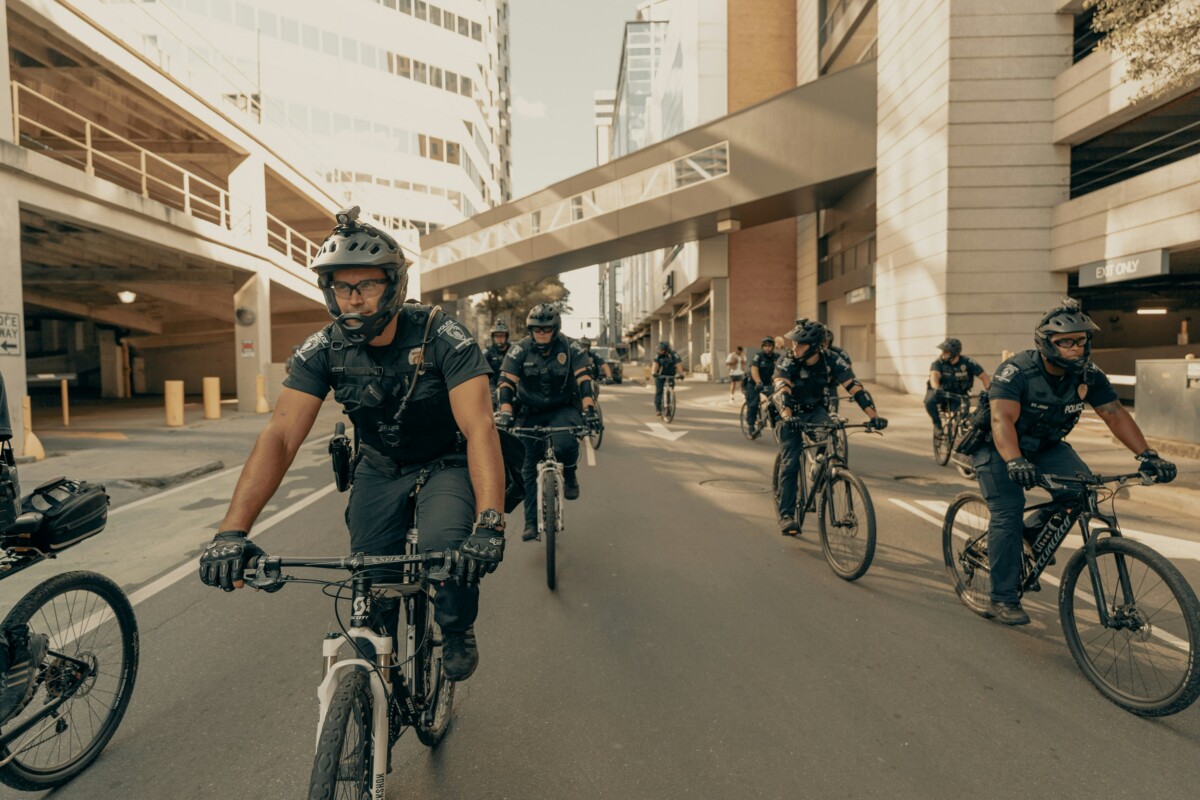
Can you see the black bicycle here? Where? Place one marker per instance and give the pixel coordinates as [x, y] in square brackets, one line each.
[753, 424]
[371, 691]
[668, 398]
[549, 490]
[953, 408]
[1131, 621]
[824, 484]
[80, 631]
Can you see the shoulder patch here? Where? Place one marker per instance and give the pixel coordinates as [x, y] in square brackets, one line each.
[455, 333]
[514, 351]
[1007, 373]
[312, 344]
[576, 347]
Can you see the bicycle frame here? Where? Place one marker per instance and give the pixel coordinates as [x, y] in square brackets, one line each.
[548, 463]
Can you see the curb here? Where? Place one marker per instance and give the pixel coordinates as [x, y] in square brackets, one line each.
[165, 481]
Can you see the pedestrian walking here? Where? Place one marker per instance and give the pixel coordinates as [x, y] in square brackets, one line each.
[736, 361]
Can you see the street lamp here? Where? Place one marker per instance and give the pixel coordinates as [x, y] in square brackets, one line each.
[126, 296]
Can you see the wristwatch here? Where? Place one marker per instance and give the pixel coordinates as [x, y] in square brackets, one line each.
[490, 518]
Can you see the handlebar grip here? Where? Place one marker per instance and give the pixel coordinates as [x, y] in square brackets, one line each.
[339, 429]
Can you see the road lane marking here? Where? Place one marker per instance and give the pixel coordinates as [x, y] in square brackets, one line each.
[661, 431]
[591, 451]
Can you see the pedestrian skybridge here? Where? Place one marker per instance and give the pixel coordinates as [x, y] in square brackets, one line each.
[789, 155]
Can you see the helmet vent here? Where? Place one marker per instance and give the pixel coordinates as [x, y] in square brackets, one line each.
[374, 249]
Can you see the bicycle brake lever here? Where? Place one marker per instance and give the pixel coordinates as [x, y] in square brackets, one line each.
[448, 569]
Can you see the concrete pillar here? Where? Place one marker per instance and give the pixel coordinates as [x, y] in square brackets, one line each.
[806, 266]
[12, 309]
[112, 364]
[252, 337]
[696, 323]
[681, 342]
[248, 199]
[719, 322]
[965, 194]
[6, 108]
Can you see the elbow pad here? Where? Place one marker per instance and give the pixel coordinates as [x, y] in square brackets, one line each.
[863, 398]
[506, 392]
[586, 389]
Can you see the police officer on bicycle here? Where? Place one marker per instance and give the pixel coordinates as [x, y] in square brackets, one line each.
[414, 383]
[495, 353]
[597, 367]
[954, 374]
[803, 378]
[760, 380]
[546, 373]
[664, 366]
[1036, 398]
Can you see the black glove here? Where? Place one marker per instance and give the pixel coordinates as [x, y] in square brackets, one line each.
[876, 424]
[483, 551]
[592, 420]
[1160, 469]
[1023, 473]
[504, 420]
[224, 560]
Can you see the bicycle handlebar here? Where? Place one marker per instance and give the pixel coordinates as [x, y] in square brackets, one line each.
[1082, 481]
[264, 572]
[540, 432]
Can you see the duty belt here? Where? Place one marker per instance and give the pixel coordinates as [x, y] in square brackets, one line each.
[391, 468]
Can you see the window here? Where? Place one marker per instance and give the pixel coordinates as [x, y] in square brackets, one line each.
[451, 81]
[329, 43]
[368, 55]
[320, 122]
[198, 7]
[268, 23]
[402, 140]
[448, 21]
[435, 77]
[421, 9]
[464, 86]
[390, 4]
[406, 6]
[403, 185]
[477, 31]
[361, 125]
[435, 15]
[419, 71]
[464, 27]
[244, 16]
[437, 149]
[222, 10]
[311, 38]
[341, 123]
[349, 49]
[404, 67]
[453, 153]
[289, 30]
[423, 145]
[298, 115]
[420, 187]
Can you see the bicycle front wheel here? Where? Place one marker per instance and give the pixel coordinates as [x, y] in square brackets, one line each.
[1145, 658]
[964, 548]
[746, 421]
[668, 407]
[943, 442]
[551, 520]
[597, 437]
[846, 522]
[92, 661]
[342, 767]
[433, 687]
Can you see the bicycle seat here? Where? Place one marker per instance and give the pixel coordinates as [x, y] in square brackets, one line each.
[28, 522]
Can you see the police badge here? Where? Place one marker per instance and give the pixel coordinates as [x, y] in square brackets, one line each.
[1083, 389]
[562, 358]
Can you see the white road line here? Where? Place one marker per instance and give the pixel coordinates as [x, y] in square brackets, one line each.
[916, 511]
[591, 451]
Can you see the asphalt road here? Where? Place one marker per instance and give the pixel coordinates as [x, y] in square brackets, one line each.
[690, 650]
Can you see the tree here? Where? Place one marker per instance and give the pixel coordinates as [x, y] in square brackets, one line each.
[1160, 40]
[512, 304]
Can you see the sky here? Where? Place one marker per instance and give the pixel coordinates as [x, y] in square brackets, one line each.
[562, 51]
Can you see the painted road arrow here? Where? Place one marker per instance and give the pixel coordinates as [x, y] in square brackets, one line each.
[657, 429]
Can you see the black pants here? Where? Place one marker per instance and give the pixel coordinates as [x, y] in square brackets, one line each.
[378, 515]
[566, 450]
[791, 446]
[931, 404]
[1006, 502]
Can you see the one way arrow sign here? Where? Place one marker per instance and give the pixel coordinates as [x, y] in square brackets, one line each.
[660, 431]
[10, 334]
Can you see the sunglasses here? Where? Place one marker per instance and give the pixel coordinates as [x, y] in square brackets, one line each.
[542, 328]
[372, 287]
[1068, 344]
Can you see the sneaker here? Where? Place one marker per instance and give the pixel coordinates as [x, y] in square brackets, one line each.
[1007, 613]
[658, 413]
[18, 682]
[530, 533]
[460, 655]
[788, 526]
[570, 487]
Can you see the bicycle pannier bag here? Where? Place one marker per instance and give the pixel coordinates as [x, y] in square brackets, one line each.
[71, 512]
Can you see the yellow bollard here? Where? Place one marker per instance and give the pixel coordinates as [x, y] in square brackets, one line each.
[212, 398]
[33, 445]
[173, 396]
[1005, 355]
[260, 401]
[66, 404]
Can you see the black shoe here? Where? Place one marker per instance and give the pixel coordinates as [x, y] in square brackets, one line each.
[570, 487]
[788, 526]
[1007, 613]
[17, 683]
[530, 533]
[460, 655]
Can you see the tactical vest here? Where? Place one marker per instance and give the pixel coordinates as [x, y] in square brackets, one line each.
[495, 358]
[766, 367]
[956, 377]
[546, 381]
[415, 430]
[666, 364]
[1049, 414]
[810, 385]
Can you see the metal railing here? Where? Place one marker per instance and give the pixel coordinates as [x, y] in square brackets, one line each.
[290, 242]
[97, 151]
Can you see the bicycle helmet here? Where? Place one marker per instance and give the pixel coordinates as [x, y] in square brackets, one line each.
[767, 340]
[357, 244]
[500, 326]
[951, 346]
[544, 315]
[585, 342]
[664, 345]
[1066, 318]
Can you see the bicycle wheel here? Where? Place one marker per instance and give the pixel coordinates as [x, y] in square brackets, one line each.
[668, 407]
[92, 661]
[597, 437]
[433, 687]
[943, 442]
[846, 522]
[551, 519]
[1145, 659]
[745, 420]
[342, 766]
[964, 548]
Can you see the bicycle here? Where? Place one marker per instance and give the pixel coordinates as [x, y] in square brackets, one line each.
[845, 514]
[549, 490]
[767, 415]
[1134, 606]
[953, 409]
[364, 710]
[596, 435]
[668, 398]
[82, 626]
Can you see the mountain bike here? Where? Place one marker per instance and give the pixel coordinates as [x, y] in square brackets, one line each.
[596, 435]
[845, 514]
[953, 409]
[668, 398]
[82, 636]
[549, 490]
[370, 695]
[1131, 621]
[767, 415]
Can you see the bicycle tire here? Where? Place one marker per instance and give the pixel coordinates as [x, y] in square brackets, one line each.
[668, 407]
[435, 689]
[943, 442]
[964, 549]
[597, 437]
[744, 421]
[1173, 634]
[96, 636]
[343, 763]
[849, 553]
[551, 518]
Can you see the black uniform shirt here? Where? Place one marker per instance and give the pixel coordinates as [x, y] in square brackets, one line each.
[546, 380]
[666, 363]
[766, 365]
[1050, 405]
[5, 422]
[428, 429]
[811, 384]
[495, 358]
[958, 377]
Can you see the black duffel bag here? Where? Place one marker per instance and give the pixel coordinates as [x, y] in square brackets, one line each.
[71, 512]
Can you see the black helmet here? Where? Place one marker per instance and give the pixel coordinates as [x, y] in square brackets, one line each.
[500, 326]
[951, 346]
[356, 244]
[664, 345]
[1067, 318]
[768, 340]
[807, 332]
[544, 315]
[585, 341]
